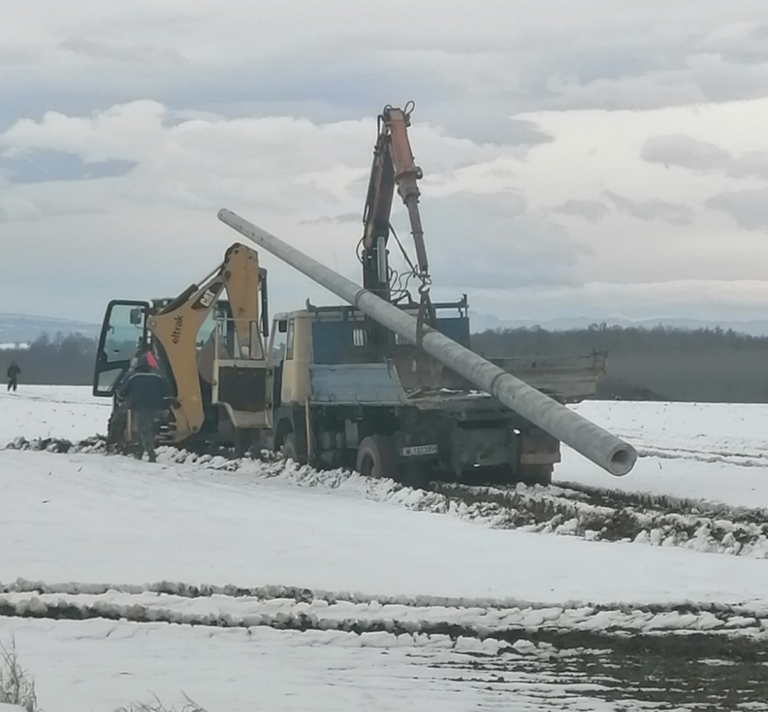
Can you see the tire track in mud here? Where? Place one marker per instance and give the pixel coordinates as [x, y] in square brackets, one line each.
[680, 656]
[599, 514]
[299, 594]
[708, 457]
[294, 608]
[568, 509]
[746, 454]
[626, 677]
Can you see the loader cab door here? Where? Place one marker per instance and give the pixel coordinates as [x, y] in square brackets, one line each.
[123, 333]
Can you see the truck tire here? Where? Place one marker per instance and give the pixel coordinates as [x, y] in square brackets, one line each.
[376, 457]
[290, 450]
[246, 442]
[536, 475]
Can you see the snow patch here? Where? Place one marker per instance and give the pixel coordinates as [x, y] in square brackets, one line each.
[592, 514]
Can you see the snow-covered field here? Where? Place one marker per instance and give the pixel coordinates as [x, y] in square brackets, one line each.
[249, 585]
[51, 411]
[710, 451]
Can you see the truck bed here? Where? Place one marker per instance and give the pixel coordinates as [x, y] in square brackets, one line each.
[423, 383]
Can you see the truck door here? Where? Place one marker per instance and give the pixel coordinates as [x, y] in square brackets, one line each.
[276, 356]
[123, 334]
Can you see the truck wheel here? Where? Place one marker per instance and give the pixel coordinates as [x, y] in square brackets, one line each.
[536, 475]
[246, 442]
[376, 458]
[290, 450]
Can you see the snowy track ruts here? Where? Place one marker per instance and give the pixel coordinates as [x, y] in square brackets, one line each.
[299, 594]
[591, 513]
[290, 608]
[612, 515]
[676, 657]
[740, 452]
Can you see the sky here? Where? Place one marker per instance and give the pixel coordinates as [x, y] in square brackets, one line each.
[596, 159]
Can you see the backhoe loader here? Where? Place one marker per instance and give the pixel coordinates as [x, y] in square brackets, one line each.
[210, 349]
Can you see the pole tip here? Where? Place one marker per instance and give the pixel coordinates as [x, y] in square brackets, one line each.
[623, 460]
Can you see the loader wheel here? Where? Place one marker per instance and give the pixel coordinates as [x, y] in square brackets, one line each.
[376, 457]
[290, 450]
[536, 475]
[116, 426]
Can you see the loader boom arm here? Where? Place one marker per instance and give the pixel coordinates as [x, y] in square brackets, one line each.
[175, 328]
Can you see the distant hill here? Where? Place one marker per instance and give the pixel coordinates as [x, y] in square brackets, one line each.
[486, 322]
[23, 328]
[686, 360]
[675, 364]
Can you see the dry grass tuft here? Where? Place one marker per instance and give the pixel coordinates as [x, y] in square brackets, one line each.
[16, 686]
[158, 706]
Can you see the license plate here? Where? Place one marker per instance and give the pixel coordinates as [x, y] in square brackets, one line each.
[416, 450]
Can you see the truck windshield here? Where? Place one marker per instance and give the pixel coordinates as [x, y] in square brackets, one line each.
[278, 342]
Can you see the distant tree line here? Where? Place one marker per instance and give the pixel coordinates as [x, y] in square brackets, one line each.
[710, 365]
[63, 360]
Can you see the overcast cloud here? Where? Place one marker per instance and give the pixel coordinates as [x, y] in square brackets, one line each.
[749, 208]
[588, 209]
[611, 156]
[686, 152]
[652, 209]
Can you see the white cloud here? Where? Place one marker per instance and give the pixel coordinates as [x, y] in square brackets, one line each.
[685, 152]
[289, 174]
[291, 166]
[694, 299]
[476, 66]
[528, 115]
[749, 208]
[592, 210]
[652, 209]
[487, 209]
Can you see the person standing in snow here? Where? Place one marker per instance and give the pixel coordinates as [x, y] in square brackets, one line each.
[13, 376]
[145, 392]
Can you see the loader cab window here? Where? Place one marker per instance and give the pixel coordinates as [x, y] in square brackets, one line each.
[218, 318]
[123, 335]
[206, 329]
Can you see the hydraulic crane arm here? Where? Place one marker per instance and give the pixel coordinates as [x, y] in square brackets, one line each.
[393, 166]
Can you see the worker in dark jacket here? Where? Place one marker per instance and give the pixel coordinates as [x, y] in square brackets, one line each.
[145, 392]
[13, 376]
